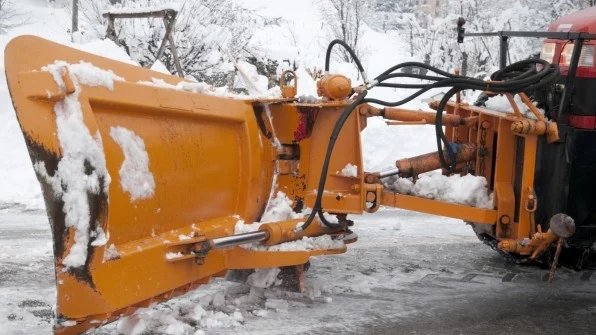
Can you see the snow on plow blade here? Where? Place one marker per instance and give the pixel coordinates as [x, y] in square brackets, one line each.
[133, 174]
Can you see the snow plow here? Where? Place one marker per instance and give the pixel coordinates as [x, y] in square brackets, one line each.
[149, 179]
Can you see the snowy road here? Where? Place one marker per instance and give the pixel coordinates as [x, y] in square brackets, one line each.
[408, 274]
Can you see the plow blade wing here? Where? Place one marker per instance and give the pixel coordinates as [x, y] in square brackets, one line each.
[134, 170]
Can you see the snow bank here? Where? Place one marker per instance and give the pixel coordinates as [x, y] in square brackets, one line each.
[135, 177]
[465, 190]
[81, 152]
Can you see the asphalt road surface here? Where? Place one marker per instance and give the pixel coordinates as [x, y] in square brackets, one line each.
[390, 282]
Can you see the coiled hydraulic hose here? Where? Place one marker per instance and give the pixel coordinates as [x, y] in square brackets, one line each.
[521, 76]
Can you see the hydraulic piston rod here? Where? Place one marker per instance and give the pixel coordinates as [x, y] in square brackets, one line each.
[234, 240]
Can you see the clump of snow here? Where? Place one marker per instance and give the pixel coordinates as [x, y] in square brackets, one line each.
[132, 325]
[500, 103]
[182, 237]
[307, 86]
[255, 84]
[135, 177]
[111, 253]
[100, 237]
[82, 73]
[72, 182]
[307, 243]
[202, 88]
[264, 278]
[350, 170]
[279, 208]
[466, 190]
[174, 255]
[158, 66]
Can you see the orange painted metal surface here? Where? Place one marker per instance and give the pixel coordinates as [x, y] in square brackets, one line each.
[211, 162]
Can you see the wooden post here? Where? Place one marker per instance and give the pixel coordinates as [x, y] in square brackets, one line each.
[171, 22]
[169, 19]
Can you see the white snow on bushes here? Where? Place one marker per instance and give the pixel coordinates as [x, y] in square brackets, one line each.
[71, 182]
[465, 190]
[135, 177]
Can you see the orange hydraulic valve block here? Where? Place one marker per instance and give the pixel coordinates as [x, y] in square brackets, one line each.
[410, 167]
[334, 87]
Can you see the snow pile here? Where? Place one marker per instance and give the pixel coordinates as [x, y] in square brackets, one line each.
[264, 278]
[135, 177]
[81, 151]
[306, 243]
[204, 88]
[500, 103]
[307, 86]
[465, 190]
[255, 84]
[82, 73]
[280, 209]
[349, 170]
[221, 304]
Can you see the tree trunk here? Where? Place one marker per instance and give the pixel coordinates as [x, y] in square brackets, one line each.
[75, 16]
[464, 63]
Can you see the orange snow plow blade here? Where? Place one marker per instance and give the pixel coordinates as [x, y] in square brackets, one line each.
[141, 177]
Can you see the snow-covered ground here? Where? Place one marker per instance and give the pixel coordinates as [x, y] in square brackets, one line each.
[408, 273]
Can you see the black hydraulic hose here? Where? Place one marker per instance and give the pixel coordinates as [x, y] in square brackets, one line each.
[518, 77]
[350, 51]
[440, 134]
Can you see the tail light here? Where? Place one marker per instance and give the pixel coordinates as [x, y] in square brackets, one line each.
[548, 52]
[586, 58]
